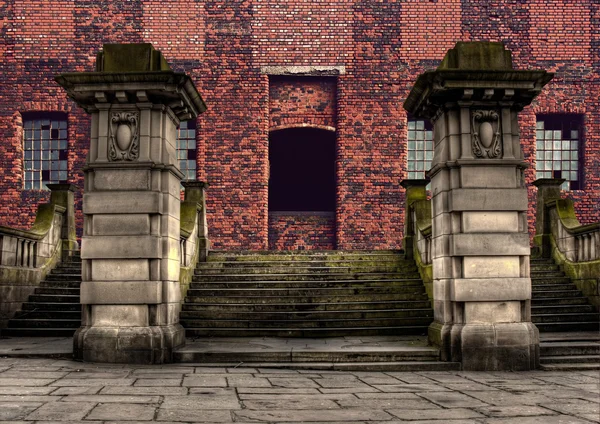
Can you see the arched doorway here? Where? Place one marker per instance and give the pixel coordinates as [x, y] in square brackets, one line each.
[302, 189]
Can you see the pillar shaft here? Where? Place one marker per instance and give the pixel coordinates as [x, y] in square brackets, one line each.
[130, 291]
[482, 288]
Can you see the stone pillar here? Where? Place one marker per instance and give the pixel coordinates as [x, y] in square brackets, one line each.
[195, 191]
[63, 195]
[547, 189]
[482, 287]
[415, 190]
[130, 246]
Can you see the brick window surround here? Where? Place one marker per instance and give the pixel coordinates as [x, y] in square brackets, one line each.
[558, 148]
[45, 149]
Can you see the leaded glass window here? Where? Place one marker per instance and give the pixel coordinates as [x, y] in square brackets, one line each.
[186, 149]
[420, 148]
[558, 144]
[45, 147]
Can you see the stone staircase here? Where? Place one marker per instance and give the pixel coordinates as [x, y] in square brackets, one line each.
[569, 325]
[53, 310]
[306, 294]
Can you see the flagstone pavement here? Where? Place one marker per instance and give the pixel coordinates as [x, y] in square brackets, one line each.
[49, 390]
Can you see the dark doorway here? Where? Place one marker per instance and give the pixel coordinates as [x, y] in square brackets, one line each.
[302, 170]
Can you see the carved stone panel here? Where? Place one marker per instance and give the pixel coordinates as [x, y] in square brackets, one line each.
[486, 134]
[124, 141]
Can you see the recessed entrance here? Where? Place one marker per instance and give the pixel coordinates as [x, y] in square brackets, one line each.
[302, 189]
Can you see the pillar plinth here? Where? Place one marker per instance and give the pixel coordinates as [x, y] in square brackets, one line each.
[482, 287]
[130, 246]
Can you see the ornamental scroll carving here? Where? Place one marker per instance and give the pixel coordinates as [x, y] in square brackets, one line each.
[124, 141]
[486, 134]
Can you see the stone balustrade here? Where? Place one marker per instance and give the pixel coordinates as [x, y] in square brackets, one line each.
[26, 256]
[561, 236]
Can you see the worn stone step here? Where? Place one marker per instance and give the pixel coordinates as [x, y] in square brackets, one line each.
[57, 290]
[549, 301]
[38, 332]
[383, 366]
[189, 355]
[543, 287]
[569, 367]
[561, 309]
[43, 298]
[571, 348]
[306, 292]
[305, 323]
[44, 323]
[568, 326]
[304, 307]
[299, 277]
[306, 299]
[576, 317]
[63, 284]
[570, 359]
[307, 284]
[294, 255]
[544, 267]
[50, 306]
[305, 332]
[66, 270]
[535, 273]
[550, 280]
[317, 262]
[63, 277]
[553, 294]
[48, 314]
[233, 314]
[304, 270]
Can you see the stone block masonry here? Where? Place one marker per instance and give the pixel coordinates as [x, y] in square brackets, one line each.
[382, 47]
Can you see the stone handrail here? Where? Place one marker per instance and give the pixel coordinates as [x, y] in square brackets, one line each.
[194, 242]
[560, 236]
[417, 229]
[26, 256]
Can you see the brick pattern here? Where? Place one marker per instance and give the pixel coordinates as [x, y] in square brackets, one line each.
[301, 231]
[383, 47]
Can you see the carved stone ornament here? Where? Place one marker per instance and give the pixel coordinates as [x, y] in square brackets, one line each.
[124, 141]
[486, 134]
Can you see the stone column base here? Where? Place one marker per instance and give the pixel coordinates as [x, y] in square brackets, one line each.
[131, 345]
[488, 347]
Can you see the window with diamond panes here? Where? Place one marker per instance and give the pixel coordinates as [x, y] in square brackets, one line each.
[558, 143]
[45, 149]
[420, 148]
[186, 149]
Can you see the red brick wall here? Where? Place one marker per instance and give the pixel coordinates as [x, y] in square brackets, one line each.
[301, 231]
[225, 46]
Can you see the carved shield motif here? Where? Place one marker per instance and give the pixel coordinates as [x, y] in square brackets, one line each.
[486, 134]
[124, 141]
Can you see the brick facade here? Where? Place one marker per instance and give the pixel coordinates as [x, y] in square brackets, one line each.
[228, 48]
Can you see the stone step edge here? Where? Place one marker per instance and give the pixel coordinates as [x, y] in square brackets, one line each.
[569, 367]
[338, 366]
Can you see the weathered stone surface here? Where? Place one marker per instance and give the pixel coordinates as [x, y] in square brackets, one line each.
[123, 412]
[61, 411]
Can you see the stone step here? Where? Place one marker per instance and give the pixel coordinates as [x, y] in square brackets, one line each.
[63, 277]
[568, 326]
[291, 307]
[546, 287]
[545, 267]
[305, 323]
[549, 301]
[305, 332]
[49, 298]
[317, 262]
[570, 348]
[571, 359]
[303, 255]
[67, 270]
[307, 284]
[306, 299]
[38, 332]
[299, 277]
[553, 294]
[569, 367]
[576, 317]
[305, 270]
[49, 314]
[565, 309]
[550, 280]
[233, 314]
[63, 284]
[50, 306]
[546, 273]
[57, 290]
[400, 366]
[307, 292]
[44, 323]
